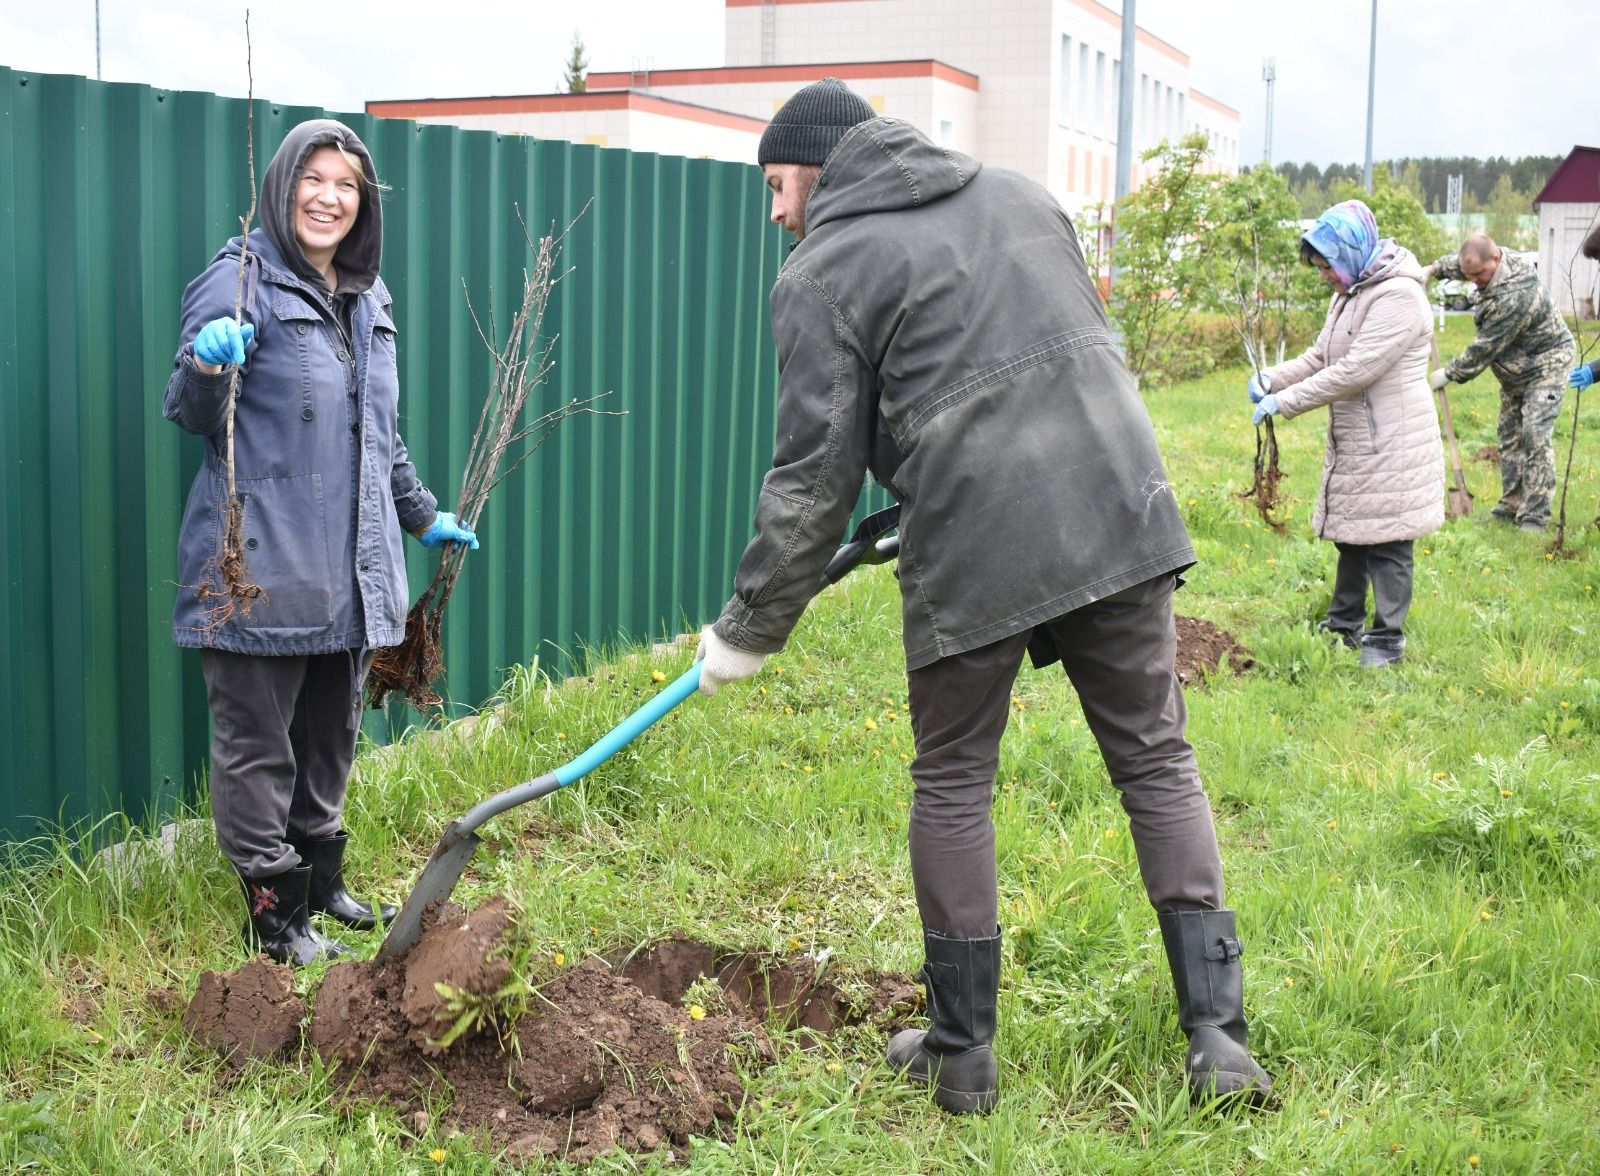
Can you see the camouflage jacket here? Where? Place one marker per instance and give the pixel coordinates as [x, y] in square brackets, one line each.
[1521, 338]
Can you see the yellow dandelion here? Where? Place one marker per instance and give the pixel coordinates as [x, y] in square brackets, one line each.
[777, 669]
[560, 958]
[784, 764]
[1110, 833]
[872, 724]
[1288, 981]
[1333, 824]
[1438, 775]
[1193, 501]
[1323, 1112]
[561, 735]
[1549, 555]
[657, 676]
[1473, 1161]
[1395, 1147]
[904, 758]
[1563, 704]
[763, 689]
[794, 945]
[788, 710]
[876, 753]
[833, 1067]
[1486, 916]
[437, 1155]
[809, 919]
[806, 769]
[696, 1013]
[1506, 792]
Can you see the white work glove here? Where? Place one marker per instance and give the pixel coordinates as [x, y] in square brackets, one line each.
[1438, 380]
[723, 663]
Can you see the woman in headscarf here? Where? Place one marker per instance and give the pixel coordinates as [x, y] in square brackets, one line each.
[1383, 473]
[327, 487]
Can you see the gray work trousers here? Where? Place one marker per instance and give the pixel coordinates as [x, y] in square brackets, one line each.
[1387, 567]
[283, 737]
[1118, 653]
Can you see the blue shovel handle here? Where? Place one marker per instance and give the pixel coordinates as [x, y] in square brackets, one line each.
[608, 745]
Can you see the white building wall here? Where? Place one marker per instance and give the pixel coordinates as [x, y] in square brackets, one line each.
[1570, 277]
[946, 112]
[1053, 121]
[1004, 42]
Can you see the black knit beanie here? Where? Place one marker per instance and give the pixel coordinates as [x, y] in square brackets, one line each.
[810, 125]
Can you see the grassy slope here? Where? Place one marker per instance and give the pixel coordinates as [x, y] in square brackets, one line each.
[1411, 856]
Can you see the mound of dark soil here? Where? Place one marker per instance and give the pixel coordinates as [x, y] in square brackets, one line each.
[606, 1057]
[1201, 648]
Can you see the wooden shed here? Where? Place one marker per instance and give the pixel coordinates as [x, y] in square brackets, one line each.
[1569, 208]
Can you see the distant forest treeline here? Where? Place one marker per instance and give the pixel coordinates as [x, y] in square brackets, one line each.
[1483, 180]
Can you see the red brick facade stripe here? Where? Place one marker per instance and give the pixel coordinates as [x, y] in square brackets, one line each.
[745, 74]
[1207, 100]
[563, 104]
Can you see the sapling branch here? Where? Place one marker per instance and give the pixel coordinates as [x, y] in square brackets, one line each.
[501, 442]
[237, 594]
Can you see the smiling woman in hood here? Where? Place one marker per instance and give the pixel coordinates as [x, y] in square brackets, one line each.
[360, 250]
[310, 366]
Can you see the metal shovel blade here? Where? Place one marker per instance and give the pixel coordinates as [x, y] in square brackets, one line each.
[438, 879]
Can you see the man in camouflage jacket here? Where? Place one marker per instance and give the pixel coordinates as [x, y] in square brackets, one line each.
[1526, 344]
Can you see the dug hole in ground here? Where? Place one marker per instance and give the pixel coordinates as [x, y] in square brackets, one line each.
[606, 1056]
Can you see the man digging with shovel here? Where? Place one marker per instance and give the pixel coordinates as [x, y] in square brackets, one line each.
[936, 325]
[1526, 344]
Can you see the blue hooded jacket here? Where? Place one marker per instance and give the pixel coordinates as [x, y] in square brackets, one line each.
[318, 458]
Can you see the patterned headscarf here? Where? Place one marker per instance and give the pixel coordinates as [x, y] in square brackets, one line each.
[1347, 237]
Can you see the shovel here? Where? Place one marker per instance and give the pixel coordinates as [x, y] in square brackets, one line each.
[460, 839]
[1459, 499]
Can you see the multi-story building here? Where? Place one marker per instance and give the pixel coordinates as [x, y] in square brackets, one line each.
[1030, 85]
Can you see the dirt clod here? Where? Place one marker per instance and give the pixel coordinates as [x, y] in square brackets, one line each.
[1202, 647]
[251, 1012]
[1489, 453]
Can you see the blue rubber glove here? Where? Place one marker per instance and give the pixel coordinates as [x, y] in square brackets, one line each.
[1258, 387]
[222, 341]
[1265, 407]
[445, 529]
[1582, 377]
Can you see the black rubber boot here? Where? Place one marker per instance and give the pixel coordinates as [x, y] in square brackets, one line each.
[279, 924]
[1349, 638]
[327, 895]
[1204, 952]
[954, 1054]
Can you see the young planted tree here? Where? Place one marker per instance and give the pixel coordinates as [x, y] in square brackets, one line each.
[1251, 260]
[1584, 346]
[1157, 280]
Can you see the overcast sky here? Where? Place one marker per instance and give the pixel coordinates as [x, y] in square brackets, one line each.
[1467, 77]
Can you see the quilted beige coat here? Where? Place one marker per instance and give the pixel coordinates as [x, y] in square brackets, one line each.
[1383, 474]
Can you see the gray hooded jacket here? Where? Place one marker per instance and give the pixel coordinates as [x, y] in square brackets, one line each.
[937, 325]
[318, 459]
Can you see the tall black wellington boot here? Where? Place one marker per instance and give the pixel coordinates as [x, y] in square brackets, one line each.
[279, 924]
[954, 1054]
[327, 895]
[1204, 953]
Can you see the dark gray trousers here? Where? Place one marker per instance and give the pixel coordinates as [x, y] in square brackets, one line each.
[1119, 655]
[283, 737]
[1387, 567]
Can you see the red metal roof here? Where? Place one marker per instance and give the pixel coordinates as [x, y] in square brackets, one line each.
[1576, 179]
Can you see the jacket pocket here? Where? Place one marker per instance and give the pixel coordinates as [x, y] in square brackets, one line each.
[286, 552]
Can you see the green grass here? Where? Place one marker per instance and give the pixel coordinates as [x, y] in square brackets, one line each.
[1412, 855]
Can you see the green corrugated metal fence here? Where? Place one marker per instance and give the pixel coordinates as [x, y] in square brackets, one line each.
[112, 197]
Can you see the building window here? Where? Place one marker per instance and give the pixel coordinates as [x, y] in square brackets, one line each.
[947, 132]
[1065, 90]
